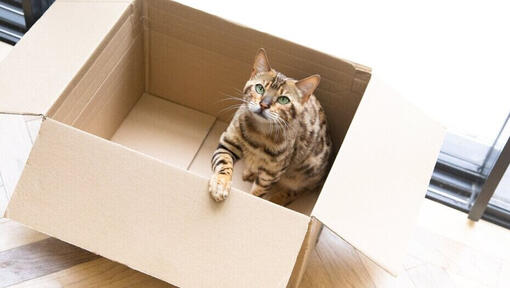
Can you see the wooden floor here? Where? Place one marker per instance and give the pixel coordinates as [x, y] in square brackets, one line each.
[446, 250]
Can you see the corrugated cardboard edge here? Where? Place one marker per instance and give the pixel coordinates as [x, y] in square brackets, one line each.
[309, 243]
[29, 50]
[129, 10]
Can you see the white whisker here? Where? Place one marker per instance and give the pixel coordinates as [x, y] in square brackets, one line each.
[231, 107]
[230, 97]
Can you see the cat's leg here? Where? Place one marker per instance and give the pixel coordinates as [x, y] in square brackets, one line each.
[286, 191]
[264, 182]
[223, 167]
[258, 189]
[249, 175]
[219, 184]
[282, 196]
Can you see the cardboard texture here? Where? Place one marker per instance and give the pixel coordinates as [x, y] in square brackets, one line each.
[132, 114]
[165, 129]
[153, 217]
[54, 61]
[380, 143]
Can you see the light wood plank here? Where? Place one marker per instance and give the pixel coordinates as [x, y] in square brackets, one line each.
[453, 224]
[38, 259]
[383, 279]
[13, 234]
[344, 264]
[429, 275]
[96, 273]
[316, 274]
[456, 258]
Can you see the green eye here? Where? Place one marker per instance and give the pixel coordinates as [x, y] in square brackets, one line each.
[283, 100]
[260, 89]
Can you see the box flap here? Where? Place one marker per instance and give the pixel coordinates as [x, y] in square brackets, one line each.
[373, 193]
[151, 216]
[53, 52]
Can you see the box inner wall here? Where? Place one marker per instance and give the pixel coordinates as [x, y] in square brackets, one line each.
[158, 85]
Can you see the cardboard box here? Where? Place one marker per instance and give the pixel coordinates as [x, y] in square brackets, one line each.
[130, 97]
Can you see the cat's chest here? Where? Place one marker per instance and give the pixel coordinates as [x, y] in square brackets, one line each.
[254, 159]
[264, 153]
[270, 157]
[256, 153]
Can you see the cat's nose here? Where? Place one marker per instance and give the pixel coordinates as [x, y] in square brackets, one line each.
[265, 102]
[263, 105]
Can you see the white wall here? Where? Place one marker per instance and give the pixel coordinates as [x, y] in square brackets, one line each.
[451, 58]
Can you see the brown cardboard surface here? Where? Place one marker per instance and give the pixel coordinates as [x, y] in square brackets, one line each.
[53, 52]
[211, 59]
[113, 100]
[164, 130]
[80, 95]
[201, 165]
[151, 216]
[374, 190]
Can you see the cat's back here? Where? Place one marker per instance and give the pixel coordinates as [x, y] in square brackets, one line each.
[314, 121]
[315, 107]
[314, 142]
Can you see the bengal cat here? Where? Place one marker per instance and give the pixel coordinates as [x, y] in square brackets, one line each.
[280, 131]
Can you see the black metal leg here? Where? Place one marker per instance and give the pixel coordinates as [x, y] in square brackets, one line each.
[491, 183]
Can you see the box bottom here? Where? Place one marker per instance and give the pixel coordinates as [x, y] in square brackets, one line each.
[184, 138]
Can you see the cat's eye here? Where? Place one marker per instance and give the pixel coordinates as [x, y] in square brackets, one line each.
[259, 89]
[283, 100]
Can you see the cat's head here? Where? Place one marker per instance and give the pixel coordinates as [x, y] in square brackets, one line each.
[271, 96]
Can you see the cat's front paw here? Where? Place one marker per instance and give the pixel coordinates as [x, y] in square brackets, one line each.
[219, 186]
[258, 191]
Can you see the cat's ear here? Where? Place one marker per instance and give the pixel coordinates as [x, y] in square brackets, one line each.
[307, 86]
[261, 63]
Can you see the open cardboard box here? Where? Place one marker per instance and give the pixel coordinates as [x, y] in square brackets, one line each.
[130, 94]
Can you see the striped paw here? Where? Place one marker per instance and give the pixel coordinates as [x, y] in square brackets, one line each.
[219, 186]
[258, 191]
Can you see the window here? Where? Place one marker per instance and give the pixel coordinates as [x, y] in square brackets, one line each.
[17, 16]
[471, 176]
[12, 21]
